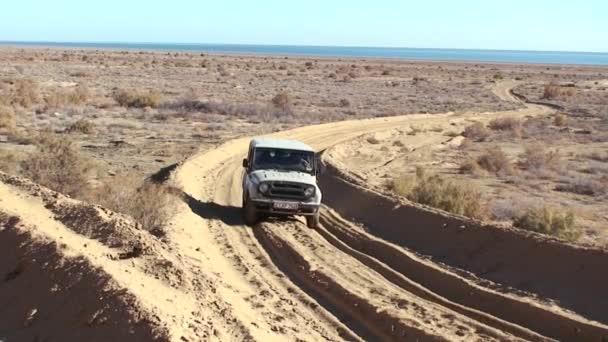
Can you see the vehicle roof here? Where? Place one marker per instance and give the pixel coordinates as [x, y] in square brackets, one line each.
[287, 144]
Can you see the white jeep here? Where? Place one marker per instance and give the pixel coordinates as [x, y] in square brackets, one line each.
[280, 179]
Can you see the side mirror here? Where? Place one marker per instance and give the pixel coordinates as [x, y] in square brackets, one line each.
[319, 166]
[245, 163]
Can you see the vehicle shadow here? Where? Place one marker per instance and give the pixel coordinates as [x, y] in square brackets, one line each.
[212, 211]
[229, 215]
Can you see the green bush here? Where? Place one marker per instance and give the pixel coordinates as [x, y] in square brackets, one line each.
[550, 221]
[433, 190]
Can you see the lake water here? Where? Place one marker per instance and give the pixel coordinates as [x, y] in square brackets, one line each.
[561, 57]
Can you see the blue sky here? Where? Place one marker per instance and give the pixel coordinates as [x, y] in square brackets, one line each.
[529, 25]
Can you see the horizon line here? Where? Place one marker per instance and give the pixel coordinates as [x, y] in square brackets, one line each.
[43, 42]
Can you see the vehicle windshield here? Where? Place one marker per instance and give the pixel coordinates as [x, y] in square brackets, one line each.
[283, 160]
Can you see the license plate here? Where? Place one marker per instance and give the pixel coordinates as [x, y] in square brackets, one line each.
[286, 205]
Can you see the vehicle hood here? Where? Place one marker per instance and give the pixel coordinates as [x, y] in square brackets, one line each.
[284, 176]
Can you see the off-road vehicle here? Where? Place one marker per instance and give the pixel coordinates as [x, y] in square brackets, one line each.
[280, 179]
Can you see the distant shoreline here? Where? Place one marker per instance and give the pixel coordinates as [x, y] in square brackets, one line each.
[389, 53]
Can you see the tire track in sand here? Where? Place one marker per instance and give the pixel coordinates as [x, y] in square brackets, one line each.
[210, 234]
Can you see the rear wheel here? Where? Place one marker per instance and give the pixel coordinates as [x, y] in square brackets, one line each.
[312, 221]
[249, 212]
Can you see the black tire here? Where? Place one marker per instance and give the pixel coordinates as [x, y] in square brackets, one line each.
[249, 213]
[312, 221]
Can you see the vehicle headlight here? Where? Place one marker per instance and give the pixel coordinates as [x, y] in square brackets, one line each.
[263, 187]
[308, 192]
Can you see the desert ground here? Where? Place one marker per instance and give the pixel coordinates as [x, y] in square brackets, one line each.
[462, 201]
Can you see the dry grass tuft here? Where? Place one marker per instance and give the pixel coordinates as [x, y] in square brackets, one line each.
[7, 117]
[83, 126]
[137, 99]
[59, 165]
[477, 132]
[550, 221]
[433, 190]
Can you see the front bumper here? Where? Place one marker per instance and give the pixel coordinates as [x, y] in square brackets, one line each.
[267, 206]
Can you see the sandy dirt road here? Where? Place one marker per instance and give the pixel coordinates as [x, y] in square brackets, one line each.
[280, 280]
[218, 279]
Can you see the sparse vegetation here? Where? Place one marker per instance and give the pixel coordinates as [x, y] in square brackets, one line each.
[550, 221]
[138, 99]
[435, 191]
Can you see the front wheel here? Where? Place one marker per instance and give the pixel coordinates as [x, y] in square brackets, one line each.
[249, 213]
[312, 221]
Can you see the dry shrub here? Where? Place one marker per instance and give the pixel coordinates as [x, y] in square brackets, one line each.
[79, 95]
[433, 190]
[7, 117]
[148, 203]
[477, 132]
[344, 103]
[584, 186]
[9, 162]
[495, 160]
[282, 101]
[537, 158]
[550, 221]
[598, 156]
[373, 140]
[552, 91]
[59, 165]
[559, 120]
[471, 166]
[510, 124]
[83, 126]
[137, 99]
[23, 92]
